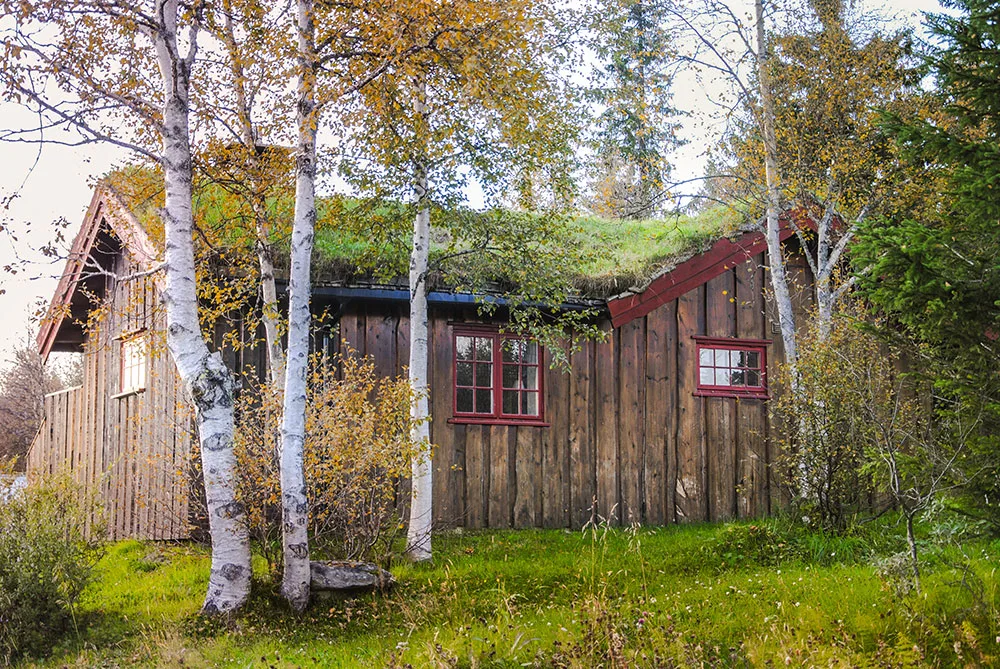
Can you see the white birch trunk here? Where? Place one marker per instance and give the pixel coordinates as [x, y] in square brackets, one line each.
[269, 293]
[265, 260]
[776, 259]
[208, 381]
[824, 296]
[294, 502]
[418, 537]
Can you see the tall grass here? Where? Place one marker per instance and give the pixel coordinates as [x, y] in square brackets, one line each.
[603, 597]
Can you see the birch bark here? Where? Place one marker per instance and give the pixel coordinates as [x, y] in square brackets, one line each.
[418, 536]
[772, 231]
[208, 381]
[294, 502]
[265, 259]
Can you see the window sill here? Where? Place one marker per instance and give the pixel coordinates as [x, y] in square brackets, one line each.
[128, 393]
[472, 420]
[733, 395]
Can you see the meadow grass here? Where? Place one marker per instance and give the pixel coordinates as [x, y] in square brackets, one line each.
[695, 595]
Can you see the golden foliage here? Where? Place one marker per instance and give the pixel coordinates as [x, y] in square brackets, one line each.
[854, 404]
[357, 451]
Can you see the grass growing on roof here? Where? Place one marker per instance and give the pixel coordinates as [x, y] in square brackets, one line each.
[362, 239]
[559, 598]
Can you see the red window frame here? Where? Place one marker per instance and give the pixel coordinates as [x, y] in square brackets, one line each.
[496, 416]
[732, 345]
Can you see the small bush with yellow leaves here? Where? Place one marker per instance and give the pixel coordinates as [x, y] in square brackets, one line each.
[358, 451]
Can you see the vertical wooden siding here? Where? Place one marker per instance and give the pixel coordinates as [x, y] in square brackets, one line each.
[129, 450]
[627, 438]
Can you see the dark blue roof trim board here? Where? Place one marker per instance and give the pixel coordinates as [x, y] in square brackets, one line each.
[435, 297]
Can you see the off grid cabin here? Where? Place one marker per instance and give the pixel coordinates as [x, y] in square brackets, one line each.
[664, 421]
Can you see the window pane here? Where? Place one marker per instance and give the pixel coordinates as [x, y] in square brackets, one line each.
[753, 379]
[721, 358]
[484, 401]
[529, 378]
[705, 357]
[463, 374]
[737, 377]
[707, 376]
[736, 358]
[530, 351]
[510, 401]
[511, 350]
[722, 377]
[463, 348]
[510, 376]
[463, 401]
[484, 349]
[753, 359]
[133, 364]
[484, 375]
[529, 404]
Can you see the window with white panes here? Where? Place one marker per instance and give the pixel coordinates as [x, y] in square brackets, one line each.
[133, 363]
[732, 367]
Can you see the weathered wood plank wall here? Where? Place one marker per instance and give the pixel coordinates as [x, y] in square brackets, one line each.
[627, 439]
[131, 449]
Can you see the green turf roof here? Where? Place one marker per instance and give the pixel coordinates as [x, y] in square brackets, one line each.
[360, 242]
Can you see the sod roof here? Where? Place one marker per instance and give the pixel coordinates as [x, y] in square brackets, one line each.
[357, 241]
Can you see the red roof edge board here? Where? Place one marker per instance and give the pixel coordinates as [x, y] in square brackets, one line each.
[724, 255]
[105, 206]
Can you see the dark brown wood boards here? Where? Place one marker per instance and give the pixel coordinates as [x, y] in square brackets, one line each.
[627, 439]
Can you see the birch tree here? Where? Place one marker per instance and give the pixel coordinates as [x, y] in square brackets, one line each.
[242, 96]
[111, 72]
[804, 148]
[294, 503]
[479, 97]
[772, 185]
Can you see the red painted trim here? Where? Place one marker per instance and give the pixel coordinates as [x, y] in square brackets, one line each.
[734, 341]
[724, 255]
[733, 394]
[468, 420]
[82, 244]
[497, 417]
[732, 344]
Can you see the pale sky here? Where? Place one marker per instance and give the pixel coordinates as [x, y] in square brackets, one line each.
[59, 186]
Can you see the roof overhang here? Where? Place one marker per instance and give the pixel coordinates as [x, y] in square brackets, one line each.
[376, 292]
[62, 327]
[724, 255]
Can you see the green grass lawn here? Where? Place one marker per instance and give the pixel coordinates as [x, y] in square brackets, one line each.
[724, 595]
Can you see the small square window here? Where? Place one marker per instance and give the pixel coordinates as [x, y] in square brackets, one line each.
[732, 367]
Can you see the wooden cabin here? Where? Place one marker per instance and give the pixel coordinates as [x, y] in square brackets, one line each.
[664, 421]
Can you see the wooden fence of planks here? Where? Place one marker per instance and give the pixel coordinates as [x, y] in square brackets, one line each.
[136, 462]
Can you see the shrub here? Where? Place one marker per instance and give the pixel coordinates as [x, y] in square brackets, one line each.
[826, 431]
[47, 556]
[357, 450]
[744, 545]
